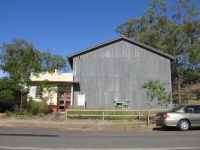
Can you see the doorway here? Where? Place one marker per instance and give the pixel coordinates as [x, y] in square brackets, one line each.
[64, 100]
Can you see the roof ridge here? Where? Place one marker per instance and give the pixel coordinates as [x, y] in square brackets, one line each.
[102, 44]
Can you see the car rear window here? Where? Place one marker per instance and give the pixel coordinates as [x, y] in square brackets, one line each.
[175, 109]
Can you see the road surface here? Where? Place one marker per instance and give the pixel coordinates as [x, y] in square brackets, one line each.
[45, 139]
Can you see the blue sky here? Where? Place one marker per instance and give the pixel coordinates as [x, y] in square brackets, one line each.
[65, 26]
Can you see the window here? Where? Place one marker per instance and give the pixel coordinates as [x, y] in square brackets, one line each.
[175, 109]
[197, 109]
[39, 93]
[192, 109]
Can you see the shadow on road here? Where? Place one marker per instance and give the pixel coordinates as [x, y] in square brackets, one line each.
[195, 128]
[164, 129]
[36, 135]
[172, 128]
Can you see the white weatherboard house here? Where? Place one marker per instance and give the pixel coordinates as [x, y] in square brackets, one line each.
[61, 97]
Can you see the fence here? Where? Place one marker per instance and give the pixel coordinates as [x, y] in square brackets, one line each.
[111, 113]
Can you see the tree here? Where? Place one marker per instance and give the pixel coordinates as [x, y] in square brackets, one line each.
[172, 29]
[156, 92]
[6, 92]
[52, 62]
[19, 60]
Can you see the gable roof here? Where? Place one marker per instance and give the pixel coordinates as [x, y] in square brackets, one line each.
[114, 40]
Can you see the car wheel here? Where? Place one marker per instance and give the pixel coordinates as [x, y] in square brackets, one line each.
[183, 125]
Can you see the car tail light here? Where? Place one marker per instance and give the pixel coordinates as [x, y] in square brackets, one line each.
[165, 115]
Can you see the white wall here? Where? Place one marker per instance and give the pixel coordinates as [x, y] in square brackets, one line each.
[53, 78]
[50, 97]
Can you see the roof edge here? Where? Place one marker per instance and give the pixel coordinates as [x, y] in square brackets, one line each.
[94, 46]
[91, 48]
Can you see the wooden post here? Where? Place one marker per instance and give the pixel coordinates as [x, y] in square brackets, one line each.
[139, 115]
[72, 95]
[103, 116]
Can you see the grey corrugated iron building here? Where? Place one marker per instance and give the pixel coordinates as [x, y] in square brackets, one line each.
[115, 70]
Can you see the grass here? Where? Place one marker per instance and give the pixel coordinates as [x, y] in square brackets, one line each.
[22, 115]
[84, 114]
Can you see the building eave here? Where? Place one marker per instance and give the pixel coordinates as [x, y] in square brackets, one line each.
[58, 82]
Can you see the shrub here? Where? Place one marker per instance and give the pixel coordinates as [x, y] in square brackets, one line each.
[9, 113]
[39, 108]
[25, 113]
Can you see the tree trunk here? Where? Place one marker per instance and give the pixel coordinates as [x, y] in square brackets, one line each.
[148, 117]
[179, 91]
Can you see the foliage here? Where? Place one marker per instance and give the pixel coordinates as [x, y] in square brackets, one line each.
[174, 29]
[36, 108]
[6, 89]
[33, 108]
[39, 108]
[24, 113]
[9, 113]
[9, 96]
[155, 91]
[191, 76]
[51, 62]
[19, 59]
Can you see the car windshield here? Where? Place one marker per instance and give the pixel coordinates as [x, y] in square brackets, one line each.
[175, 109]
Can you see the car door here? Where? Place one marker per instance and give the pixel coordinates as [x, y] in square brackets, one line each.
[198, 113]
[193, 114]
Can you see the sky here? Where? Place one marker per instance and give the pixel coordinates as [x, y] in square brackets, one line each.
[65, 26]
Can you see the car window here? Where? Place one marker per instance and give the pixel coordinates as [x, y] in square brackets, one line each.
[192, 109]
[175, 109]
[197, 109]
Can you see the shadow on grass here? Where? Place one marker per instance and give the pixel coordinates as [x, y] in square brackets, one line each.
[30, 135]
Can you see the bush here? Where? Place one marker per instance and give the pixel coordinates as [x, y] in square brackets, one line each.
[24, 113]
[39, 108]
[9, 113]
[6, 106]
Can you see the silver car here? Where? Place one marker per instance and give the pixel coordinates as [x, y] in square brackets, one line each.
[182, 117]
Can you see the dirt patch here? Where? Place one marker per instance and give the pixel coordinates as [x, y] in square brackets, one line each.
[2, 115]
[72, 124]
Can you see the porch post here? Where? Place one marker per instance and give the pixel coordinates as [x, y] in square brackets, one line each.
[72, 94]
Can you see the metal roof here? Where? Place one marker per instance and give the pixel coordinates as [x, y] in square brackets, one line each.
[114, 40]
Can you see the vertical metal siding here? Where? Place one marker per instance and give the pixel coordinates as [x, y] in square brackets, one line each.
[118, 71]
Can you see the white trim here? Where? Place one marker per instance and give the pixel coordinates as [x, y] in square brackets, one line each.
[72, 95]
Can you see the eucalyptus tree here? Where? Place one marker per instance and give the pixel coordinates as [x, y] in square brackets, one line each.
[174, 29]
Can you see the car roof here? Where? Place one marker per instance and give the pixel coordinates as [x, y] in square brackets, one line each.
[188, 105]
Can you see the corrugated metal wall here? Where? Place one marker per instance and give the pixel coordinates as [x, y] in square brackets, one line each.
[117, 72]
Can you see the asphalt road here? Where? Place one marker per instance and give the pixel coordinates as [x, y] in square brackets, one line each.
[44, 139]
